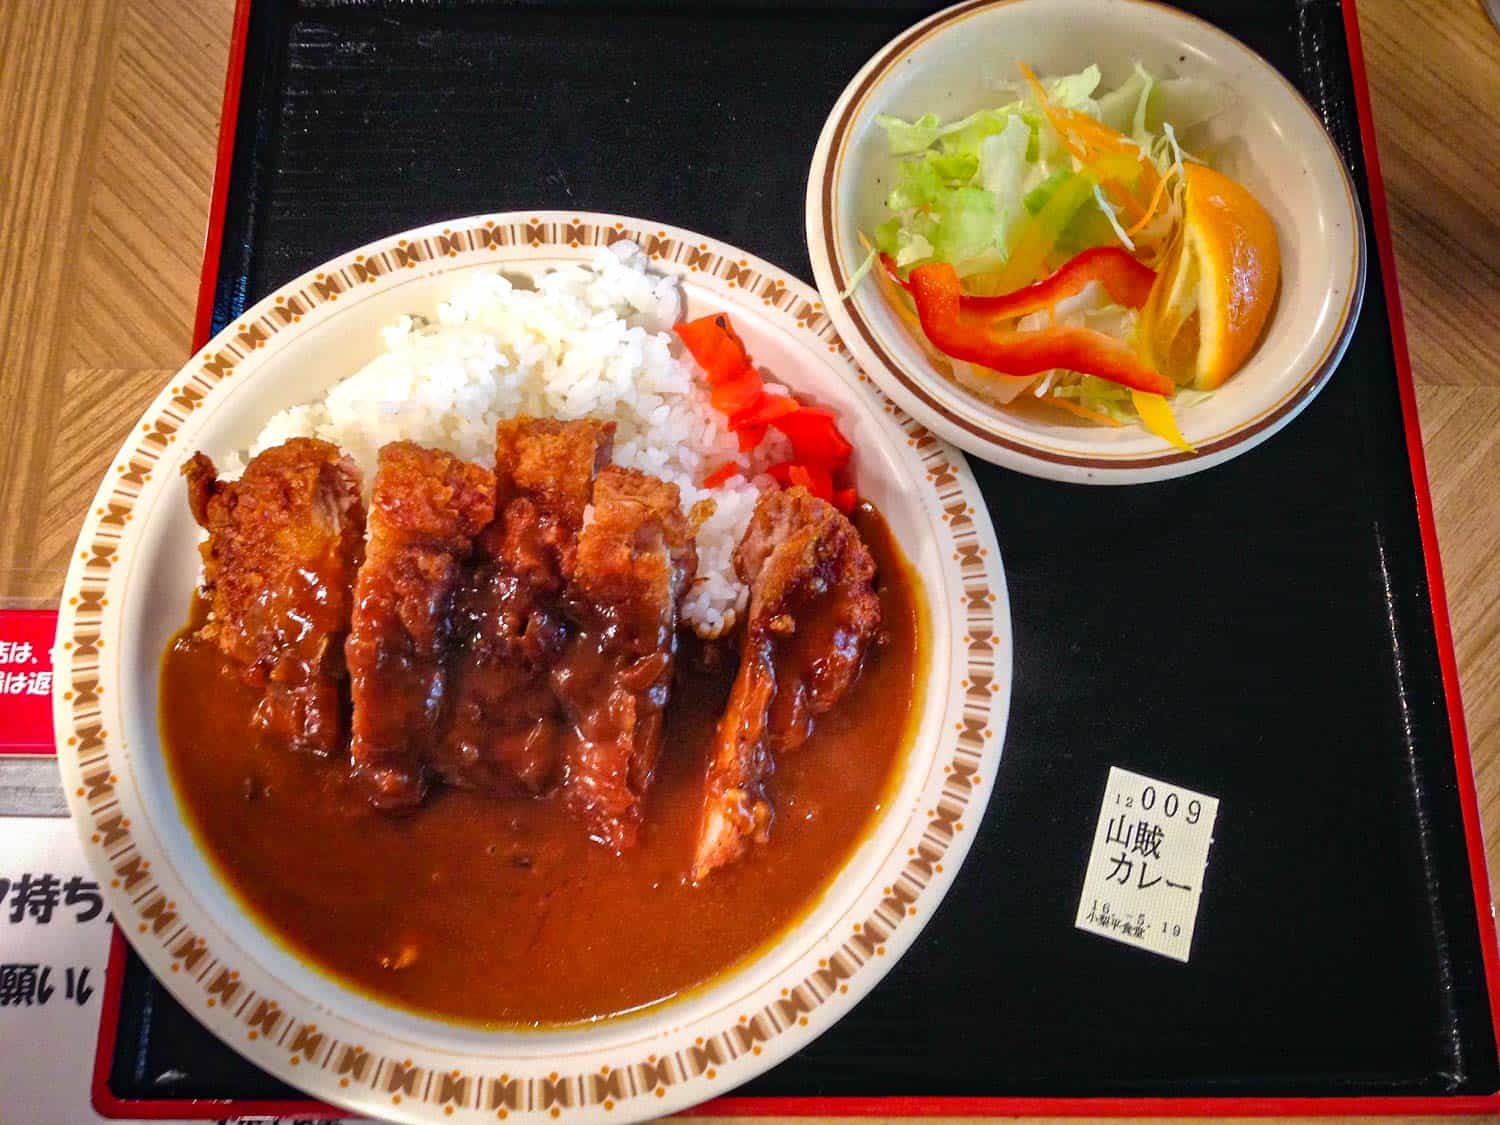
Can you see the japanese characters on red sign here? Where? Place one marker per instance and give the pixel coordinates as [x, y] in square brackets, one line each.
[26, 680]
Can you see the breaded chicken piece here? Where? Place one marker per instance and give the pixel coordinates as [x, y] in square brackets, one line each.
[426, 509]
[813, 613]
[634, 561]
[551, 462]
[503, 725]
[283, 545]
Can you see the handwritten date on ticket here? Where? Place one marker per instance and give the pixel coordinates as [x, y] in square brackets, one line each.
[1146, 868]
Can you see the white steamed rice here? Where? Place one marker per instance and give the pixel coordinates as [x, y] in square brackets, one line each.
[588, 341]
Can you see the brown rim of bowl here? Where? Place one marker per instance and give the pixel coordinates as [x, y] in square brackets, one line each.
[1308, 386]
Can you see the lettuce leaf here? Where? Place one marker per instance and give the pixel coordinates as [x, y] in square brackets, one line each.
[956, 168]
[912, 247]
[967, 223]
[1075, 91]
[908, 137]
[922, 180]
[1002, 161]
[906, 244]
[1039, 196]
[1117, 108]
[1184, 102]
[1101, 396]
[968, 136]
[917, 185]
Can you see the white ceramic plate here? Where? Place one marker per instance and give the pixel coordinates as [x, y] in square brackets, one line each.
[1267, 138]
[128, 591]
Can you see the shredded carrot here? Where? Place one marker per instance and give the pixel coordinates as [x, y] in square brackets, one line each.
[1091, 141]
[1156, 199]
[1054, 115]
[1082, 411]
[1097, 134]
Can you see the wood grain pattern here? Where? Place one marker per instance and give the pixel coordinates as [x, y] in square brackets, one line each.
[1434, 71]
[112, 111]
[98, 408]
[148, 195]
[110, 115]
[57, 61]
[1435, 82]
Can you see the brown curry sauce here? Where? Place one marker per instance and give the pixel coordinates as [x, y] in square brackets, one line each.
[499, 910]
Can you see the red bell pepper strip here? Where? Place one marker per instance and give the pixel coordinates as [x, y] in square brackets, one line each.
[1126, 281]
[976, 337]
[844, 499]
[713, 342]
[723, 473]
[815, 437]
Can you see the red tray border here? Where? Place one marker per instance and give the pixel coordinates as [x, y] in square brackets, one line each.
[107, 1104]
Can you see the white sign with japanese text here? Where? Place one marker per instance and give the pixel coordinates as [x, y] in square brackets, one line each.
[54, 947]
[54, 944]
[1146, 868]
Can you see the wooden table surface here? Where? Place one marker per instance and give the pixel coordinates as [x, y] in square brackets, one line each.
[109, 115]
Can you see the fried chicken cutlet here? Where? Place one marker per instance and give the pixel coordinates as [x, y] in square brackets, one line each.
[284, 542]
[426, 509]
[504, 726]
[813, 614]
[634, 561]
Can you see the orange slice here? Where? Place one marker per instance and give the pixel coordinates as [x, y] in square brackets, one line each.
[1215, 290]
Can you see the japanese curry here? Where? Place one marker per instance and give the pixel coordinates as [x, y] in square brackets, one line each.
[459, 751]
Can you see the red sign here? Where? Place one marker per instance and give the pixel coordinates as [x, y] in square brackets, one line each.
[26, 680]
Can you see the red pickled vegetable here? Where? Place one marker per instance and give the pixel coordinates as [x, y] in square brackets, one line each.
[814, 434]
[723, 473]
[737, 395]
[815, 478]
[738, 392]
[750, 437]
[713, 342]
[768, 410]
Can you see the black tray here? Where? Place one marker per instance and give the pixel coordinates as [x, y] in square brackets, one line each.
[1265, 632]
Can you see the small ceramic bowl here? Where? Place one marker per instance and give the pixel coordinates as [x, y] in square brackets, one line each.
[1267, 138]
